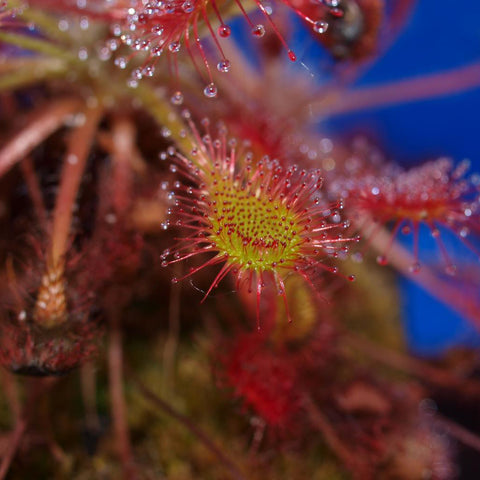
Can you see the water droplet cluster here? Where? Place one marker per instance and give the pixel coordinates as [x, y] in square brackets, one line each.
[152, 28]
[156, 26]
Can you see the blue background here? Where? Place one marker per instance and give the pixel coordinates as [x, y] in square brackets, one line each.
[439, 35]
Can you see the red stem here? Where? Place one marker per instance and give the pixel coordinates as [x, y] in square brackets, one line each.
[427, 373]
[171, 344]
[34, 189]
[88, 386]
[12, 448]
[74, 165]
[124, 151]
[457, 431]
[404, 91]
[44, 122]
[119, 406]
[10, 389]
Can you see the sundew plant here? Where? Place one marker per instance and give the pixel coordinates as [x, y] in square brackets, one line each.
[211, 247]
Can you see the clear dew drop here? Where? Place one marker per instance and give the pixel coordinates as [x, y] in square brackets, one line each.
[104, 54]
[177, 98]
[84, 23]
[110, 218]
[224, 31]
[148, 70]
[112, 44]
[188, 6]
[258, 30]
[174, 47]
[72, 159]
[116, 30]
[210, 91]
[165, 132]
[224, 66]
[415, 267]
[336, 12]
[331, 3]
[82, 54]
[451, 269]
[137, 74]
[121, 62]
[157, 30]
[320, 27]
[63, 25]
[382, 260]
[357, 257]
[126, 39]
[156, 51]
